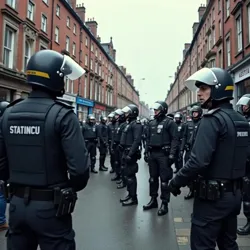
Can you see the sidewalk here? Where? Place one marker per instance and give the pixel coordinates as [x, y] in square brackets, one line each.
[182, 210]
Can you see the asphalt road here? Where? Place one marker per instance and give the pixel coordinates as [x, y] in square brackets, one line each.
[101, 223]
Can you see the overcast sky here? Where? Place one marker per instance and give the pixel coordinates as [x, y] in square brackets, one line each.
[149, 37]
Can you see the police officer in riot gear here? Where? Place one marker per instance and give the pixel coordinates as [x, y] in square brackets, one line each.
[130, 141]
[162, 143]
[244, 103]
[43, 149]
[219, 157]
[179, 157]
[102, 142]
[90, 135]
[188, 140]
[111, 130]
[117, 150]
[171, 116]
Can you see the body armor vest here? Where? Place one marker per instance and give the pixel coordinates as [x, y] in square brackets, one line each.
[35, 154]
[89, 132]
[127, 137]
[103, 131]
[111, 130]
[118, 131]
[158, 135]
[180, 130]
[229, 159]
[194, 132]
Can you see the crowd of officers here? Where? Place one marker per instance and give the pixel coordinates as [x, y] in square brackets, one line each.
[44, 157]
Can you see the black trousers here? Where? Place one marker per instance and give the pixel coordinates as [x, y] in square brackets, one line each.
[91, 147]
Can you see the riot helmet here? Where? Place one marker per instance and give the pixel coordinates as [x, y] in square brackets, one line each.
[90, 119]
[3, 106]
[120, 115]
[131, 111]
[196, 112]
[244, 103]
[49, 69]
[178, 117]
[103, 119]
[171, 116]
[111, 117]
[160, 109]
[219, 81]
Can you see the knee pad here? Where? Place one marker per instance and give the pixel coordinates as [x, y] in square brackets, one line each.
[164, 185]
[93, 158]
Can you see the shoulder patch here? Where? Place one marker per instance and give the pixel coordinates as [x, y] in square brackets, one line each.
[15, 102]
[211, 112]
[64, 104]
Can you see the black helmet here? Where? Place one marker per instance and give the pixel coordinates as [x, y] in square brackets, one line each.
[90, 118]
[244, 101]
[131, 111]
[218, 79]
[197, 109]
[48, 69]
[111, 117]
[162, 107]
[171, 116]
[178, 117]
[103, 119]
[3, 106]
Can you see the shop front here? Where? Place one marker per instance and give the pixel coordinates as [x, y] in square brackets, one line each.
[70, 99]
[98, 111]
[84, 107]
[241, 76]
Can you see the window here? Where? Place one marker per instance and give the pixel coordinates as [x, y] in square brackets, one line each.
[44, 23]
[86, 42]
[239, 33]
[91, 89]
[27, 53]
[67, 43]
[219, 5]
[212, 63]
[92, 47]
[74, 49]
[85, 86]
[96, 68]
[74, 29]
[58, 10]
[213, 37]
[227, 8]
[86, 60]
[220, 28]
[228, 51]
[96, 52]
[91, 64]
[12, 3]
[248, 19]
[220, 60]
[57, 34]
[8, 57]
[30, 11]
[72, 87]
[46, 1]
[68, 21]
[66, 84]
[42, 47]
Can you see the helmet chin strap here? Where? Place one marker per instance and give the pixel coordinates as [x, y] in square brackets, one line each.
[207, 104]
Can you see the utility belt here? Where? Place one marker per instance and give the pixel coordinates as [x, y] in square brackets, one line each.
[165, 149]
[213, 190]
[187, 147]
[246, 186]
[64, 199]
[137, 153]
[91, 140]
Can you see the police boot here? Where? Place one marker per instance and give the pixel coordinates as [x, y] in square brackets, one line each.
[116, 178]
[119, 181]
[121, 185]
[190, 195]
[163, 209]
[244, 230]
[130, 202]
[103, 169]
[112, 171]
[125, 198]
[152, 204]
[94, 171]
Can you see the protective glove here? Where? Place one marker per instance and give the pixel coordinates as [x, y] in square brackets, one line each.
[146, 156]
[173, 188]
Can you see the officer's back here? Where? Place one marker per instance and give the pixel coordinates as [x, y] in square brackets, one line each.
[44, 145]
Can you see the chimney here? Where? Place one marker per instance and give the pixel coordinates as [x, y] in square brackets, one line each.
[92, 24]
[72, 3]
[114, 55]
[195, 27]
[186, 46]
[201, 11]
[129, 77]
[80, 10]
[99, 39]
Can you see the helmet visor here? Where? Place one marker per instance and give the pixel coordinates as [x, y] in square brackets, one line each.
[71, 69]
[204, 75]
[157, 106]
[127, 109]
[243, 101]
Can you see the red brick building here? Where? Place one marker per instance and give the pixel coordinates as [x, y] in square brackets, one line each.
[61, 26]
[220, 39]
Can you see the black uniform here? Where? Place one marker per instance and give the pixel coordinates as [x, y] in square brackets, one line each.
[162, 141]
[102, 144]
[111, 130]
[43, 141]
[144, 134]
[178, 157]
[90, 135]
[130, 141]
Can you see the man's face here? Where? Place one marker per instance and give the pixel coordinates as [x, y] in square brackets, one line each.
[195, 114]
[156, 111]
[245, 108]
[204, 93]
